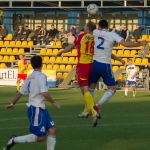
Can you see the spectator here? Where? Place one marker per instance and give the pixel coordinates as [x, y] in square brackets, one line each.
[125, 33]
[18, 34]
[26, 33]
[3, 32]
[73, 29]
[71, 38]
[41, 40]
[137, 33]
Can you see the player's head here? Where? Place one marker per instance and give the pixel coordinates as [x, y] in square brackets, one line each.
[89, 27]
[130, 61]
[21, 56]
[36, 62]
[103, 24]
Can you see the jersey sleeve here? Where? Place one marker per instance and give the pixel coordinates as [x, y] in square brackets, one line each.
[117, 37]
[24, 90]
[78, 39]
[43, 83]
[95, 32]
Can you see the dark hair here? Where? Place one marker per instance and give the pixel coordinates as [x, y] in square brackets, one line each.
[103, 24]
[91, 26]
[36, 62]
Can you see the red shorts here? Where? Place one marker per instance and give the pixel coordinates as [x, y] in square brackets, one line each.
[83, 73]
[22, 76]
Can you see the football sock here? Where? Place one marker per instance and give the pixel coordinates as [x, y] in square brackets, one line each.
[126, 92]
[30, 138]
[90, 102]
[85, 110]
[106, 96]
[91, 91]
[18, 87]
[51, 142]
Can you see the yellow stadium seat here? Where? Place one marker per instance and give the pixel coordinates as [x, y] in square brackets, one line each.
[112, 61]
[114, 52]
[1, 43]
[52, 43]
[9, 50]
[76, 60]
[120, 52]
[24, 43]
[44, 66]
[58, 59]
[71, 59]
[52, 59]
[49, 66]
[56, 67]
[133, 52]
[138, 61]
[115, 68]
[55, 51]
[125, 59]
[30, 43]
[3, 50]
[122, 67]
[9, 37]
[65, 75]
[49, 51]
[6, 43]
[1, 57]
[18, 43]
[3, 65]
[117, 62]
[12, 58]
[74, 52]
[21, 50]
[43, 51]
[65, 59]
[6, 58]
[144, 37]
[29, 66]
[12, 43]
[15, 50]
[62, 67]
[137, 68]
[69, 67]
[145, 61]
[46, 59]
[59, 75]
[58, 44]
[127, 52]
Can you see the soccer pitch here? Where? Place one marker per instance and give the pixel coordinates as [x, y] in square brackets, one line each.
[125, 123]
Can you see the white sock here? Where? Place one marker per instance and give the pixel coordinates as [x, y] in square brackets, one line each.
[51, 142]
[91, 91]
[106, 96]
[30, 138]
[126, 92]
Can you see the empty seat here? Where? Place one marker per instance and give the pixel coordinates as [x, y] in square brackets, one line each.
[133, 52]
[144, 37]
[125, 59]
[74, 52]
[115, 68]
[6, 58]
[18, 43]
[114, 52]
[112, 61]
[117, 62]
[1, 57]
[69, 67]
[52, 59]
[71, 59]
[62, 67]
[65, 75]
[9, 50]
[65, 59]
[56, 67]
[15, 50]
[43, 51]
[120, 52]
[122, 67]
[49, 66]
[12, 43]
[59, 59]
[138, 61]
[12, 58]
[3, 50]
[24, 43]
[30, 43]
[21, 50]
[6, 43]
[1, 43]
[9, 36]
[44, 66]
[46, 59]
[58, 44]
[55, 51]
[3, 65]
[145, 61]
[59, 75]
[76, 60]
[127, 52]
[49, 51]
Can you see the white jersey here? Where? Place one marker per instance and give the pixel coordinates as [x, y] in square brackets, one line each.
[34, 85]
[130, 71]
[104, 42]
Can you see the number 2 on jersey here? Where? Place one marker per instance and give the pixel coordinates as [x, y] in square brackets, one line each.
[100, 46]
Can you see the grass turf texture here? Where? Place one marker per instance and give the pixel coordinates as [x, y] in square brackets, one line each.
[125, 124]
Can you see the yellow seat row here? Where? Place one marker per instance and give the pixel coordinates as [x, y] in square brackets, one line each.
[16, 43]
[12, 50]
[7, 58]
[61, 75]
[3, 65]
[124, 52]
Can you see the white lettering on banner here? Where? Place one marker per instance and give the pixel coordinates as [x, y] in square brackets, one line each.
[8, 76]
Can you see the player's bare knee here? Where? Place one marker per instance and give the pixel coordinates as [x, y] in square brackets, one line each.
[52, 131]
[40, 138]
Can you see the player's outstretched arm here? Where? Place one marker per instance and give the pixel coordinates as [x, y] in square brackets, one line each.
[117, 58]
[11, 105]
[67, 49]
[132, 44]
[50, 99]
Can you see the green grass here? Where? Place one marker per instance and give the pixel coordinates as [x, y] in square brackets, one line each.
[125, 124]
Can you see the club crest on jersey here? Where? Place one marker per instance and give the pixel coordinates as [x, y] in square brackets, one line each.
[89, 38]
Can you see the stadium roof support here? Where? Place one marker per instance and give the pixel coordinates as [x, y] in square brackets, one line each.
[74, 3]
